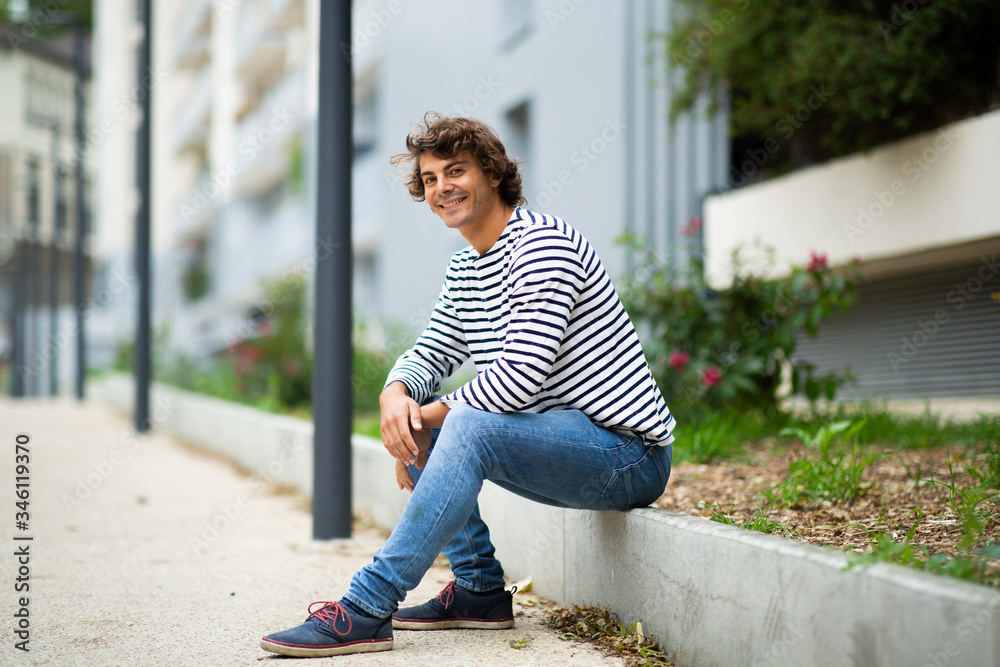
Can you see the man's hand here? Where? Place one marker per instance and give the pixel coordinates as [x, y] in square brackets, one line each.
[403, 477]
[400, 419]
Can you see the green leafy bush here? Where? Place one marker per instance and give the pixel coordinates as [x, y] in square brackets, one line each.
[273, 366]
[733, 348]
[809, 81]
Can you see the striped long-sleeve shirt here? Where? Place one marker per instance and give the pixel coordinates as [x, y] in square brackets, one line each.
[546, 330]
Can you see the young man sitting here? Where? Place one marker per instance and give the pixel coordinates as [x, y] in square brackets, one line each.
[564, 409]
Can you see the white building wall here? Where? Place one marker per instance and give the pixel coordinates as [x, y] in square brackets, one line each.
[927, 198]
[596, 144]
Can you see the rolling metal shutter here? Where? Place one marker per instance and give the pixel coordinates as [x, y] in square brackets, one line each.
[934, 334]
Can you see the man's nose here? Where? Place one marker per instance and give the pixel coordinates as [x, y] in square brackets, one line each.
[445, 185]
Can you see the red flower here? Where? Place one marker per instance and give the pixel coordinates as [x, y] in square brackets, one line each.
[242, 366]
[291, 369]
[251, 353]
[711, 377]
[817, 262]
[693, 227]
[678, 361]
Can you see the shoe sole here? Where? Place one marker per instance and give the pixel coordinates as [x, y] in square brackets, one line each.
[453, 624]
[296, 651]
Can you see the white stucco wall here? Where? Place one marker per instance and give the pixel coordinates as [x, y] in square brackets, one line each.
[932, 191]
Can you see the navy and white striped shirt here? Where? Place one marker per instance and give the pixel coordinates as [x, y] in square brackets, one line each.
[546, 330]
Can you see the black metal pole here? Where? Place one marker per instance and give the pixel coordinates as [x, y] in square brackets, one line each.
[58, 218]
[79, 262]
[142, 343]
[32, 299]
[331, 505]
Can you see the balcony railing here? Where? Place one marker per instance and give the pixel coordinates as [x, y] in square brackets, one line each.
[191, 34]
[191, 124]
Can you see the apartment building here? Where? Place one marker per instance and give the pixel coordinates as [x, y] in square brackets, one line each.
[576, 89]
[39, 223]
[922, 217]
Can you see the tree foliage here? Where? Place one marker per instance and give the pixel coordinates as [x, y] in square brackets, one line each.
[823, 78]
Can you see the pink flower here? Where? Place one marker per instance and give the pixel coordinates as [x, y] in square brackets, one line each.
[265, 328]
[242, 366]
[678, 361]
[711, 377]
[693, 227]
[817, 262]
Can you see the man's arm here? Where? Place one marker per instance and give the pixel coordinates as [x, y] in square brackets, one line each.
[547, 275]
[438, 352]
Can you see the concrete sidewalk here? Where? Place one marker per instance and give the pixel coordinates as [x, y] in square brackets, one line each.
[148, 552]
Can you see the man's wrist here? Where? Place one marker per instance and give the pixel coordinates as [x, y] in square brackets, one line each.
[394, 388]
[433, 414]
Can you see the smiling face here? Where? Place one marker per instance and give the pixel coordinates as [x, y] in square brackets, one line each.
[463, 195]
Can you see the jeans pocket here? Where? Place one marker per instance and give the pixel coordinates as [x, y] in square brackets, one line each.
[638, 484]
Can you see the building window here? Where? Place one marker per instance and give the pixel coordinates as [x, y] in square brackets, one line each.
[517, 123]
[32, 187]
[515, 22]
[6, 194]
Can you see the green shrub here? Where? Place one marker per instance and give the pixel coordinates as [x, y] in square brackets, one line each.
[828, 78]
[733, 348]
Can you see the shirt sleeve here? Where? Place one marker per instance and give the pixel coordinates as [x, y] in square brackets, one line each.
[438, 352]
[546, 277]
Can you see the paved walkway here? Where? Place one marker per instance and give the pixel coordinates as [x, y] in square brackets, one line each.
[148, 552]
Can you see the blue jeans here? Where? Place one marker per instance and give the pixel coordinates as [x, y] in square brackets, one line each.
[556, 458]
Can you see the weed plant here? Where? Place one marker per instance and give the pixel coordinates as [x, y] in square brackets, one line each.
[828, 477]
[760, 520]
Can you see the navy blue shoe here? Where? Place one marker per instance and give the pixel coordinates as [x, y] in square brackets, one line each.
[331, 630]
[455, 607]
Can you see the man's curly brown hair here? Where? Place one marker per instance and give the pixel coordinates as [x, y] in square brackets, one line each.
[446, 137]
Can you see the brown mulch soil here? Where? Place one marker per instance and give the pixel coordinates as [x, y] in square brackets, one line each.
[893, 504]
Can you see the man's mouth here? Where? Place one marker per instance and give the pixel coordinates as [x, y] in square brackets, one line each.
[447, 206]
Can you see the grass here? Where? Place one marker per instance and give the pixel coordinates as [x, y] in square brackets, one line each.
[973, 565]
[760, 520]
[826, 476]
[839, 443]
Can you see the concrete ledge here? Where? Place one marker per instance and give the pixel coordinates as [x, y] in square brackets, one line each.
[712, 594]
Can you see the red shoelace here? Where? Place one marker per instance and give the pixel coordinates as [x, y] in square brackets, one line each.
[329, 614]
[447, 596]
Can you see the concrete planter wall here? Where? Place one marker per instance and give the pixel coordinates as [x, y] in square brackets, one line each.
[712, 594]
